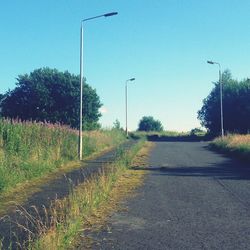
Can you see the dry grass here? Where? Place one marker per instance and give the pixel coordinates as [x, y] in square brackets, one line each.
[238, 145]
[238, 140]
[125, 187]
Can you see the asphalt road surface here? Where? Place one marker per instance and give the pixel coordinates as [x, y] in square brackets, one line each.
[192, 198]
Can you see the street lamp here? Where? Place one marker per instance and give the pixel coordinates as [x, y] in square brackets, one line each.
[126, 102]
[81, 75]
[221, 104]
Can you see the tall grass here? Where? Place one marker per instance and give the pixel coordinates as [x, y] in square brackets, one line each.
[65, 218]
[29, 150]
[238, 145]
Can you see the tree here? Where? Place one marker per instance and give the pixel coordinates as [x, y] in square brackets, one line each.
[148, 123]
[236, 106]
[1, 100]
[49, 95]
[117, 125]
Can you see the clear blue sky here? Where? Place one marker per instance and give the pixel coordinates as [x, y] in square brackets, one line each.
[164, 44]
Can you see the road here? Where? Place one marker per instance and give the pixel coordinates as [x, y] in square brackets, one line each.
[192, 198]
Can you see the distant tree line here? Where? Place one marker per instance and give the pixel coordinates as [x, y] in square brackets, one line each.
[236, 106]
[53, 96]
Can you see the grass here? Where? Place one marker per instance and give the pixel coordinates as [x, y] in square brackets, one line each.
[236, 145]
[89, 204]
[144, 134]
[30, 150]
[167, 135]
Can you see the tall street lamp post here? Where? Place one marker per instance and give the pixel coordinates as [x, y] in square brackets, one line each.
[126, 102]
[221, 102]
[81, 76]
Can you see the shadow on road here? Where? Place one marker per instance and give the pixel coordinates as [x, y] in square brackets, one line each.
[187, 138]
[229, 170]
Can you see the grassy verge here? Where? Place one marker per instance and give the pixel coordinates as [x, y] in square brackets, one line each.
[90, 203]
[32, 154]
[31, 150]
[235, 145]
[142, 134]
[171, 136]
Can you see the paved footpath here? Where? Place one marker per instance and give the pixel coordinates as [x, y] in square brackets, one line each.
[192, 199]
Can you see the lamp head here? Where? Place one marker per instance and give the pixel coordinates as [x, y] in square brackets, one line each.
[110, 14]
[210, 62]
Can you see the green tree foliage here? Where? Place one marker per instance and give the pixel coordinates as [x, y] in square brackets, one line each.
[117, 125]
[148, 123]
[49, 95]
[236, 106]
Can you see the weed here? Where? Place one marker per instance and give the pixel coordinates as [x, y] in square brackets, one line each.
[30, 150]
[68, 218]
[238, 145]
